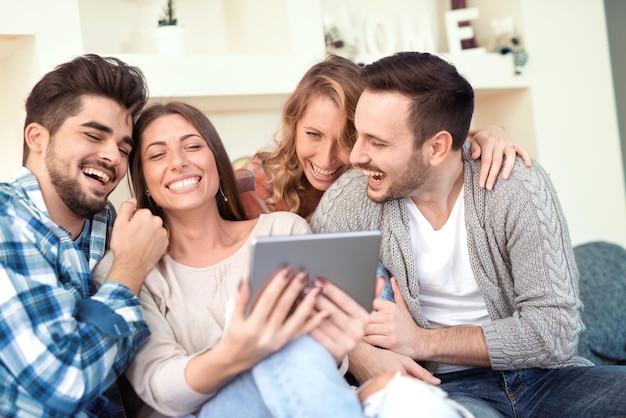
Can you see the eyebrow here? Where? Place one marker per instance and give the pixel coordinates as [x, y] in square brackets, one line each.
[98, 126]
[182, 138]
[107, 130]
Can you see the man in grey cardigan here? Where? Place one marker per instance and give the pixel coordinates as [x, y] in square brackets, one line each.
[485, 282]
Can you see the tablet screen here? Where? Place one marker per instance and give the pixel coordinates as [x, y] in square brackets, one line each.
[348, 259]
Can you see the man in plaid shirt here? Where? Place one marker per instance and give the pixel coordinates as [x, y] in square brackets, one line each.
[63, 342]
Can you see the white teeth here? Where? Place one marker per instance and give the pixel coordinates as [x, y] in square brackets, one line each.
[320, 172]
[373, 173]
[184, 184]
[103, 177]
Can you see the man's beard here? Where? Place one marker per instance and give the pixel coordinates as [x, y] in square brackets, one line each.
[69, 190]
[411, 180]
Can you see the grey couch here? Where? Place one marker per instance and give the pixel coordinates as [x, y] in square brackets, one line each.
[602, 267]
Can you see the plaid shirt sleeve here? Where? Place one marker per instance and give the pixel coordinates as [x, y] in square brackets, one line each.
[255, 189]
[61, 344]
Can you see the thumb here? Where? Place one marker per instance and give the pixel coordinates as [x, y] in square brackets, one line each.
[397, 294]
[127, 209]
[422, 374]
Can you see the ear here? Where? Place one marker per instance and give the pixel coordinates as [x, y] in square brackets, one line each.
[438, 147]
[36, 137]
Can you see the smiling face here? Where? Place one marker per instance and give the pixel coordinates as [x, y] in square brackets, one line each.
[87, 157]
[178, 166]
[317, 147]
[385, 150]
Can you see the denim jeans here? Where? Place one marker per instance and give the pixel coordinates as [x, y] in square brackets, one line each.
[300, 380]
[597, 391]
[387, 293]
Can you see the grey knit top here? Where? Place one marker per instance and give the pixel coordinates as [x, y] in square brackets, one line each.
[520, 252]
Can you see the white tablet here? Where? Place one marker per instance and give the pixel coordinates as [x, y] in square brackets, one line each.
[348, 259]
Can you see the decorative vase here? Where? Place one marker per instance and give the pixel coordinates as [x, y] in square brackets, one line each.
[170, 40]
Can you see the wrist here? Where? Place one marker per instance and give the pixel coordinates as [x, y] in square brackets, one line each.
[423, 349]
[127, 275]
[356, 358]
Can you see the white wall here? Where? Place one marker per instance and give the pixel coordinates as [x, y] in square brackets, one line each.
[574, 111]
[32, 41]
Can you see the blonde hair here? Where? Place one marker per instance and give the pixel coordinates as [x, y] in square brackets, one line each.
[336, 78]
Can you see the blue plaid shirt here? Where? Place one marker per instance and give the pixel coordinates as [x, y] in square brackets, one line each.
[62, 342]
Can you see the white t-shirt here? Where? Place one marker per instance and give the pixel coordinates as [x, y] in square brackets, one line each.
[449, 294]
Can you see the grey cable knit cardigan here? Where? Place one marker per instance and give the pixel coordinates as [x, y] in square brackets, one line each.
[520, 253]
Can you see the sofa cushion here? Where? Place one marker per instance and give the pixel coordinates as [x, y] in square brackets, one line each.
[602, 267]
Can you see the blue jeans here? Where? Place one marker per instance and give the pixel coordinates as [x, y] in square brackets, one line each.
[387, 293]
[300, 380]
[597, 391]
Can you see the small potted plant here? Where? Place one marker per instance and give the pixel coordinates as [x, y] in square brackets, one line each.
[168, 18]
[169, 36]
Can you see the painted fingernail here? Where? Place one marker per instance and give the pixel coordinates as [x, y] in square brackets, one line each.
[286, 272]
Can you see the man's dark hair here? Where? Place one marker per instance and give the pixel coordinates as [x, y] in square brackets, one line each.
[58, 95]
[442, 98]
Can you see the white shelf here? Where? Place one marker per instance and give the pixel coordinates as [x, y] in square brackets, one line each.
[219, 75]
[209, 75]
[487, 71]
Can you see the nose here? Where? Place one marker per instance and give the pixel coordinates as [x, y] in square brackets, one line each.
[328, 153]
[358, 155]
[178, 160]
[110, 152]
